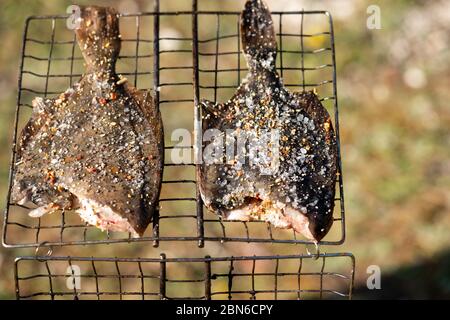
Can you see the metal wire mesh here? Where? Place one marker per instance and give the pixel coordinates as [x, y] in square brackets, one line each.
[150, 59]
[219, 67]
[274, 277]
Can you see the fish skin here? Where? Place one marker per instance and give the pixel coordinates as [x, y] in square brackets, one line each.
[99, 145]
[300, 195]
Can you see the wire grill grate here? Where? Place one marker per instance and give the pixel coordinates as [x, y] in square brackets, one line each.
[181, 69]
[274, 277]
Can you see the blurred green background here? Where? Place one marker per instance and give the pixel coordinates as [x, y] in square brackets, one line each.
[393, 89]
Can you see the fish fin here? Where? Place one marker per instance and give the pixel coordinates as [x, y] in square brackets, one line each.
[258, 34]
[153, 150]
[212, 115]
[311, 104]
[99, 37]
[41, 211]
[210, 109]
[41, 106]
[144, 99]
[42, 110]
[147, 103]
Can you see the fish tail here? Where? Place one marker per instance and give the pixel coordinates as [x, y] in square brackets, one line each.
[258, 34]
[98, 36]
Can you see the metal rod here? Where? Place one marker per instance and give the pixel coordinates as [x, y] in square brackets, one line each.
[16, 277]
[120, 279]
[165, 238]
[299, 279]
[352, 277]
[191, 260]
[96, 279]
[178, 13]
[156, 90]
[336, 124]
[50, 57]
[73, 59]
[16, 121]
[162, 277]
[136, 58]
[281, 46]
[50, 282]
[321, 277]
[63, 223]
[253, 292]
[230, 279]
[207, 278]
[216, 57]
[197, 125]
[239, 54]
[142, 281]
[276, 279]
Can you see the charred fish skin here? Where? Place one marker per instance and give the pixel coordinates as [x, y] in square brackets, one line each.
[98, 147]
[300, 193]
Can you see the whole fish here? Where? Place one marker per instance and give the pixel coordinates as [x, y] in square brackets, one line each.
[298, 191]
[98, 147]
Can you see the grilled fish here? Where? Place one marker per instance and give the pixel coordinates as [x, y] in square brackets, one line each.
[299, 193]
[98, 147]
